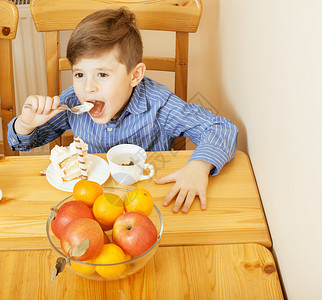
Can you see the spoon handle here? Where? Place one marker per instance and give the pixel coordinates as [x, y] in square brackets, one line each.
[58, 108]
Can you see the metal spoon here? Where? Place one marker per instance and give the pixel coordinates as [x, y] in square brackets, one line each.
[79, 109]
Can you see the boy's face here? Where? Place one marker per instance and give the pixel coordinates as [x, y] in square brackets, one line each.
[105, 82]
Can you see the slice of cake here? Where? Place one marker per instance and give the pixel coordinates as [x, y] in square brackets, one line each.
[69, 162]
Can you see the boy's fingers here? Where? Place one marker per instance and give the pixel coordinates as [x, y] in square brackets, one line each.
[172, 193]
[189, 199]
[48, 105]
[41, 103]
[180, 199]
[56, 101]
[51, 103]
[55, 104]
[164, 179]
[54, 113]
[33, 101]
[203, 200]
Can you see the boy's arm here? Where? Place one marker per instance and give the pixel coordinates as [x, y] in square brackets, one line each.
[216, 140]
[29, 130]
[215, 136]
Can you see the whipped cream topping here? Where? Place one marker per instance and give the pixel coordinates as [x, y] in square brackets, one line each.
[60, 153]
[87, 106]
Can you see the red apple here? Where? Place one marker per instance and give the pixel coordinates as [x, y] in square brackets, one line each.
[105, 227]
[82, 239]
[134, 233]
[67, 213]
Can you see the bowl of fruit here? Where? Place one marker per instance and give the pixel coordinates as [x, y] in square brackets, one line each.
[104, 233]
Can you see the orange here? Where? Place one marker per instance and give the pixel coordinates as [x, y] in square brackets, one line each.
[110, 254]
[107, 208]
[83, 268]
[87, 191]
[127, 257]
[139, 200]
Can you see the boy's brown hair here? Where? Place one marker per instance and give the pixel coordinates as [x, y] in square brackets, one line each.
[104, 31]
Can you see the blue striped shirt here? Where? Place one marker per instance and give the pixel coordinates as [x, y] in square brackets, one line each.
[153, 117]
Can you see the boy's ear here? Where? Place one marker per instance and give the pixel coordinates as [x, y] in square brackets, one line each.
[137, 74]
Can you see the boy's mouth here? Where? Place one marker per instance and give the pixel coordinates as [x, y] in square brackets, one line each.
[98, 108]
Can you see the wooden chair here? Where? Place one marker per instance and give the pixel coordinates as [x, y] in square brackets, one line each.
[181, 17]
[8, 27]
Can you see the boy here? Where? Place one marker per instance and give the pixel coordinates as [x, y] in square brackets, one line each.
[105, 52]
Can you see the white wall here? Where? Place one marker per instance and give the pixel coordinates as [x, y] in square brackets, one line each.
[260, 63]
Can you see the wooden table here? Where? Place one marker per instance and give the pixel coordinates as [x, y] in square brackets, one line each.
[179, 272]
[234, 213]
[193, 262]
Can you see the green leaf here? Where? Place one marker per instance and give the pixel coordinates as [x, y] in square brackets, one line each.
[53, 213]
[59, 267]
[80, 249]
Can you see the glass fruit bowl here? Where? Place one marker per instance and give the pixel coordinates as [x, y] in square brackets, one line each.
[111, 271]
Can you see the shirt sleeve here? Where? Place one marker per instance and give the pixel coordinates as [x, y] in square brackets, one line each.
[42, 135]
[19, 142]
[215, 136]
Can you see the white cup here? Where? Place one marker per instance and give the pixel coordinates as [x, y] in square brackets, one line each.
[127, 162]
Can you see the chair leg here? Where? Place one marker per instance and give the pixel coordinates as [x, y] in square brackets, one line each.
[7, 93]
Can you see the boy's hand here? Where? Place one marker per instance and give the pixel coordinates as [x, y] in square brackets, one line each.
[190, 181]
[43, 109]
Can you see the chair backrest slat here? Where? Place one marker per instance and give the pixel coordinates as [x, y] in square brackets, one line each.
[152, 63]
[167, 15]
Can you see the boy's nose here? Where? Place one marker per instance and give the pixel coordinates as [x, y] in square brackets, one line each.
[90, 87]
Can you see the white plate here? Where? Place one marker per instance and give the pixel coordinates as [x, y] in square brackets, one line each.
[0, 194]
[99, 173]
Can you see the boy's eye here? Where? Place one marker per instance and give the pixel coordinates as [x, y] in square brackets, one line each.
[102, 75]
[79, 75]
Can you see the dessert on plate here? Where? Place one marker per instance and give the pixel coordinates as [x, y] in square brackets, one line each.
[71, 162]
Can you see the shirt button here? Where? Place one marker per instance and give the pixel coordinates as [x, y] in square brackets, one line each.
[109, 129]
